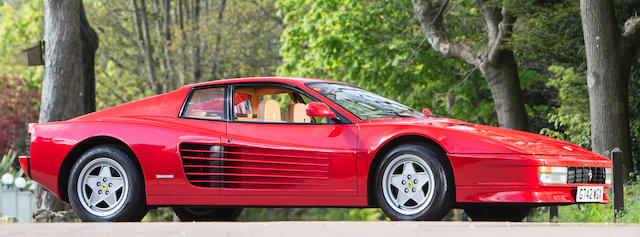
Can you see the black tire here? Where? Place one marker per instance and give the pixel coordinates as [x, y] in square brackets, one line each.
[132, 208]
[443, 185]
[206, 213]
[497, 213]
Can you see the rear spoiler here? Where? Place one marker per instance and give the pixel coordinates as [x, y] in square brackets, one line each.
[30, 128]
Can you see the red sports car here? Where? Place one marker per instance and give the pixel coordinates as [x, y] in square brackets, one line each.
[209, 149]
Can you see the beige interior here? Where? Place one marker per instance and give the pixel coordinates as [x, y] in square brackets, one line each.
[297, 113]
[269, 110]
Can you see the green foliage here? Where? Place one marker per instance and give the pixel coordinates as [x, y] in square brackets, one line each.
[548, 32]
[243, 43]
[378, 46]
[312, 214]
[20, 28]
[571, 120]
[634, 112]
[593, 212]
[160, 214]
[9, 163]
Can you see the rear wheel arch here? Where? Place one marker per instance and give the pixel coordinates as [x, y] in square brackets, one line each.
[406, 139]
[81, 148]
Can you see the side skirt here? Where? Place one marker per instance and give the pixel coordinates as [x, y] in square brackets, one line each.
[282, 201]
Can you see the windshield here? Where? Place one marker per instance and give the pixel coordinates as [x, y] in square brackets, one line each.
[363, 104]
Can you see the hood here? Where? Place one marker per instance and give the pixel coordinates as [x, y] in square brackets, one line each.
[461, 137]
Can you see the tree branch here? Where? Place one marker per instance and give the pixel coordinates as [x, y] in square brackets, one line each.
[630, 38]
[430, 14]
[492, 18]
[505, 29]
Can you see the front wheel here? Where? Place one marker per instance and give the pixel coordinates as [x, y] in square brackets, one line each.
[206, 213]
[412, 183]
[105, 185]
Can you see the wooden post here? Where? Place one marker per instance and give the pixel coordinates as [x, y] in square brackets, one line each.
[618, 181]
[553, 213]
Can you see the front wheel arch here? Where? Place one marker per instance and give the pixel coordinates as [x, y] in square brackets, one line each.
[407, 139]
[81, 148]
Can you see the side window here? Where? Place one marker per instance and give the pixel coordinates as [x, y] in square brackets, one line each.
[270, 104]
[206, 103]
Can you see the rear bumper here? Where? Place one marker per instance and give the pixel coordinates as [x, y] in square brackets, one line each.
[541, 195]
[25, 164]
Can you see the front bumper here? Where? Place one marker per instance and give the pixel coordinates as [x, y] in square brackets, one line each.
[513, 178]
[523, 194]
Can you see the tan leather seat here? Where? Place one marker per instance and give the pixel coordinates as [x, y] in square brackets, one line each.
[269, 110]
[296, 113]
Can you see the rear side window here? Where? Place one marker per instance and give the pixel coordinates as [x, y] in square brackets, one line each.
[206, 104]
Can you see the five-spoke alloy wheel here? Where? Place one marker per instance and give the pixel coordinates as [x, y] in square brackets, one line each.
[102, 186]
[407, 183]
[412, 183]
[105, 185]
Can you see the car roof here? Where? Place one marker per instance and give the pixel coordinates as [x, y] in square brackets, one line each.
[289, 80]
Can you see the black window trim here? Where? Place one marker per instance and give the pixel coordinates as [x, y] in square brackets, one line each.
[195, 88]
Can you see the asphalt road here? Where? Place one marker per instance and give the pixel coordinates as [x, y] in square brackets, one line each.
[312, 229]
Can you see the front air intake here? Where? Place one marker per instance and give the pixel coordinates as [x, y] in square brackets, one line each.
[586, 175]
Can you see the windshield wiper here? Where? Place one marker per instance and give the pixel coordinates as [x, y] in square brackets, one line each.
[387, 112]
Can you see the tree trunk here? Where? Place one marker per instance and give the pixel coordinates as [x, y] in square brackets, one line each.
[504, 84]
[144, 42]
[169, 79]
[68, 88]
[216, 50]
[197, 66]
[607, 78]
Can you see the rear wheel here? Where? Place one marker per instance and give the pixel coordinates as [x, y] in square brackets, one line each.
[413, 184]
[206, 213]
[497, 213]
[105, 185]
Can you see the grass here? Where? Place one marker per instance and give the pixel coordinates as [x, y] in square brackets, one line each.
[598, 213]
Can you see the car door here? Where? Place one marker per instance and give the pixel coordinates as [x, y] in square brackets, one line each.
[272, 148]
[204, 116]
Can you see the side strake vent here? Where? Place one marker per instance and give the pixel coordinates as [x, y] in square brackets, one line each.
[208, 165]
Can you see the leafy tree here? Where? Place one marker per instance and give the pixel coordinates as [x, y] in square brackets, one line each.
[20, 28]
[570, 121]
[150, 47]
[494, 59]
[378, 46]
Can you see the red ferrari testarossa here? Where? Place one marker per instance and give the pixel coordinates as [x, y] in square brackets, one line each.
[209, 149]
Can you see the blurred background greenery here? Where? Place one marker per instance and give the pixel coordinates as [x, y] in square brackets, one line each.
[374, 44]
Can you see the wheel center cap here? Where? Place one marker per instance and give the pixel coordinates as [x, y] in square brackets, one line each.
[410, 184]
[103, 187]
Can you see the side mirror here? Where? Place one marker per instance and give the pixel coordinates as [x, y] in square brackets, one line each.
[319, 109]
[427, 112]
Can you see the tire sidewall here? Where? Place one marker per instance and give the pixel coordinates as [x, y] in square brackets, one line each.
[134, 207]
[440, 203]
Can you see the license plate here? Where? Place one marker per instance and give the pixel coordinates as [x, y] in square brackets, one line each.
[589, 194]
